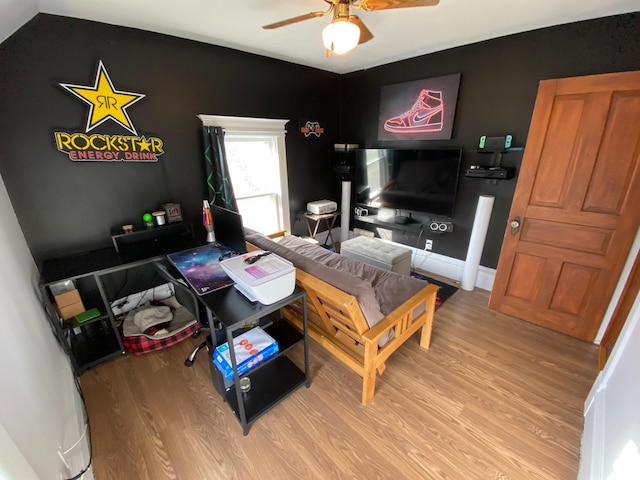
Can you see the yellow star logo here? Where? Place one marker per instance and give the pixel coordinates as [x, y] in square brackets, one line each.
[105, 101]
[144, 144]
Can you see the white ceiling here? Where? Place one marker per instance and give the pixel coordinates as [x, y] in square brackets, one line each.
[398, 34]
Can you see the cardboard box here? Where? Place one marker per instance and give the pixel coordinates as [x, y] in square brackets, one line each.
[69, 304]
[251, 349]
[62, 287]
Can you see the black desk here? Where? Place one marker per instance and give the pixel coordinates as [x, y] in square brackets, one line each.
[108, 259]
[97, 340]
[279, 376]
[167, 233]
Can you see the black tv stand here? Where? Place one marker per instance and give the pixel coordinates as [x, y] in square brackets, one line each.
[400, 223]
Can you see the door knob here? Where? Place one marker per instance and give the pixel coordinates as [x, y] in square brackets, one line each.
[515, 225]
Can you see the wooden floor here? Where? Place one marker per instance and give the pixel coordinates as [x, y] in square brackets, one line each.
[494, 397]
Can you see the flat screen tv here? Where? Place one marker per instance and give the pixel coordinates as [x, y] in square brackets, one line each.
[415, 180]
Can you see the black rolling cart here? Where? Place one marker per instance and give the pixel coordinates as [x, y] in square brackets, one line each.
[276, 378]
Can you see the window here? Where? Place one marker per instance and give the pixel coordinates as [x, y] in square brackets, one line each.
[258, 169]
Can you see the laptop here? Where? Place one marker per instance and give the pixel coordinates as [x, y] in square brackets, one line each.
[228, 229]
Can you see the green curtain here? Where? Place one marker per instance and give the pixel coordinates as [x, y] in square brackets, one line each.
[219, 188]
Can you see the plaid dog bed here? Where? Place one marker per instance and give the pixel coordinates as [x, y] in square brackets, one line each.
[151, 328]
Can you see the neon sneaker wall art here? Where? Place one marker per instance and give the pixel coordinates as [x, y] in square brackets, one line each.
[418, 110]
[426, 115]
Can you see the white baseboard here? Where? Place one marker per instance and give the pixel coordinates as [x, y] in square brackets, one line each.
[449, 267]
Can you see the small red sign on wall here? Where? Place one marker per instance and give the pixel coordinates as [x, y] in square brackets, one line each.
[311, 128]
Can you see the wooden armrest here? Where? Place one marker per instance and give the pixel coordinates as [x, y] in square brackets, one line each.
[427, 295]
[277, 234]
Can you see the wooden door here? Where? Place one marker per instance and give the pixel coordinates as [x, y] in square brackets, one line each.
[577, 204]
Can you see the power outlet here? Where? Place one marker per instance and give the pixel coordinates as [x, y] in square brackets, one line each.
[428, 244]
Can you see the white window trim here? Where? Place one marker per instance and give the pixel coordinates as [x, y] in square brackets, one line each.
[269, 126]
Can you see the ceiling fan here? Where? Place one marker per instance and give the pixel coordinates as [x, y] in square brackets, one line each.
[346, 31]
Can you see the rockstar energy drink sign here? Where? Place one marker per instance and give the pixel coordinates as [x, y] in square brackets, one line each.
[107, 103]
[109, 148]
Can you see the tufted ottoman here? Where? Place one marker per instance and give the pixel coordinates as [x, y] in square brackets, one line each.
[378, 253]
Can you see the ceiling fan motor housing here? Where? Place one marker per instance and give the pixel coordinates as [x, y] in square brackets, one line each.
[346, 34]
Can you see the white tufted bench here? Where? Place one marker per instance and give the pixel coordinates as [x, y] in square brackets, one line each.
[378, 253]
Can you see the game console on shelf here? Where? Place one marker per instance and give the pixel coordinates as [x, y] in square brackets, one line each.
[320, 207]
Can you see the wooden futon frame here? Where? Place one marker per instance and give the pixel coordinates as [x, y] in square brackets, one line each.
[336, 322]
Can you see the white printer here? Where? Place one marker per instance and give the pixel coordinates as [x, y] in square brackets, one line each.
[320, 207]
[261, 276]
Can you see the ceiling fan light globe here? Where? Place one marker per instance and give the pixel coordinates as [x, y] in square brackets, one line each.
[340, 36]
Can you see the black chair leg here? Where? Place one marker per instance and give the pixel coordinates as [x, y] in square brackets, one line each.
[219, 335]
[189, 361]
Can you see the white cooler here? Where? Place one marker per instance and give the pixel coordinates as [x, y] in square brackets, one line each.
[269, 279]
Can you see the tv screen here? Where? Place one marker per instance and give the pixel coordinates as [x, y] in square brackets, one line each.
[417, 180]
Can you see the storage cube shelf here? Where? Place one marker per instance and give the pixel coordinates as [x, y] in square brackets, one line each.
[94, 344]
[92, 341]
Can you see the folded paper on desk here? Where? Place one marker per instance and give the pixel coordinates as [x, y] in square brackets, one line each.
[251, 349]
[267, 280]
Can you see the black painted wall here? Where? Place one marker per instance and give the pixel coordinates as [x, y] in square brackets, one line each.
[497, 93]
[66, 207]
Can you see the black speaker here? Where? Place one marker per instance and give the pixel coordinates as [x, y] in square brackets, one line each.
[343, 164]
[440, 226]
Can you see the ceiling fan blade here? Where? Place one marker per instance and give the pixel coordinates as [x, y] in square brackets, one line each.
[365, 33]
[300, 18]
[371, 5]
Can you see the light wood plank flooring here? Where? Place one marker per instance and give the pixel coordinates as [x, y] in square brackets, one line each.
[494, 397]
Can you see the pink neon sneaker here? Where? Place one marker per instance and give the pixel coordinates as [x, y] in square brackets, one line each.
[425, 116]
